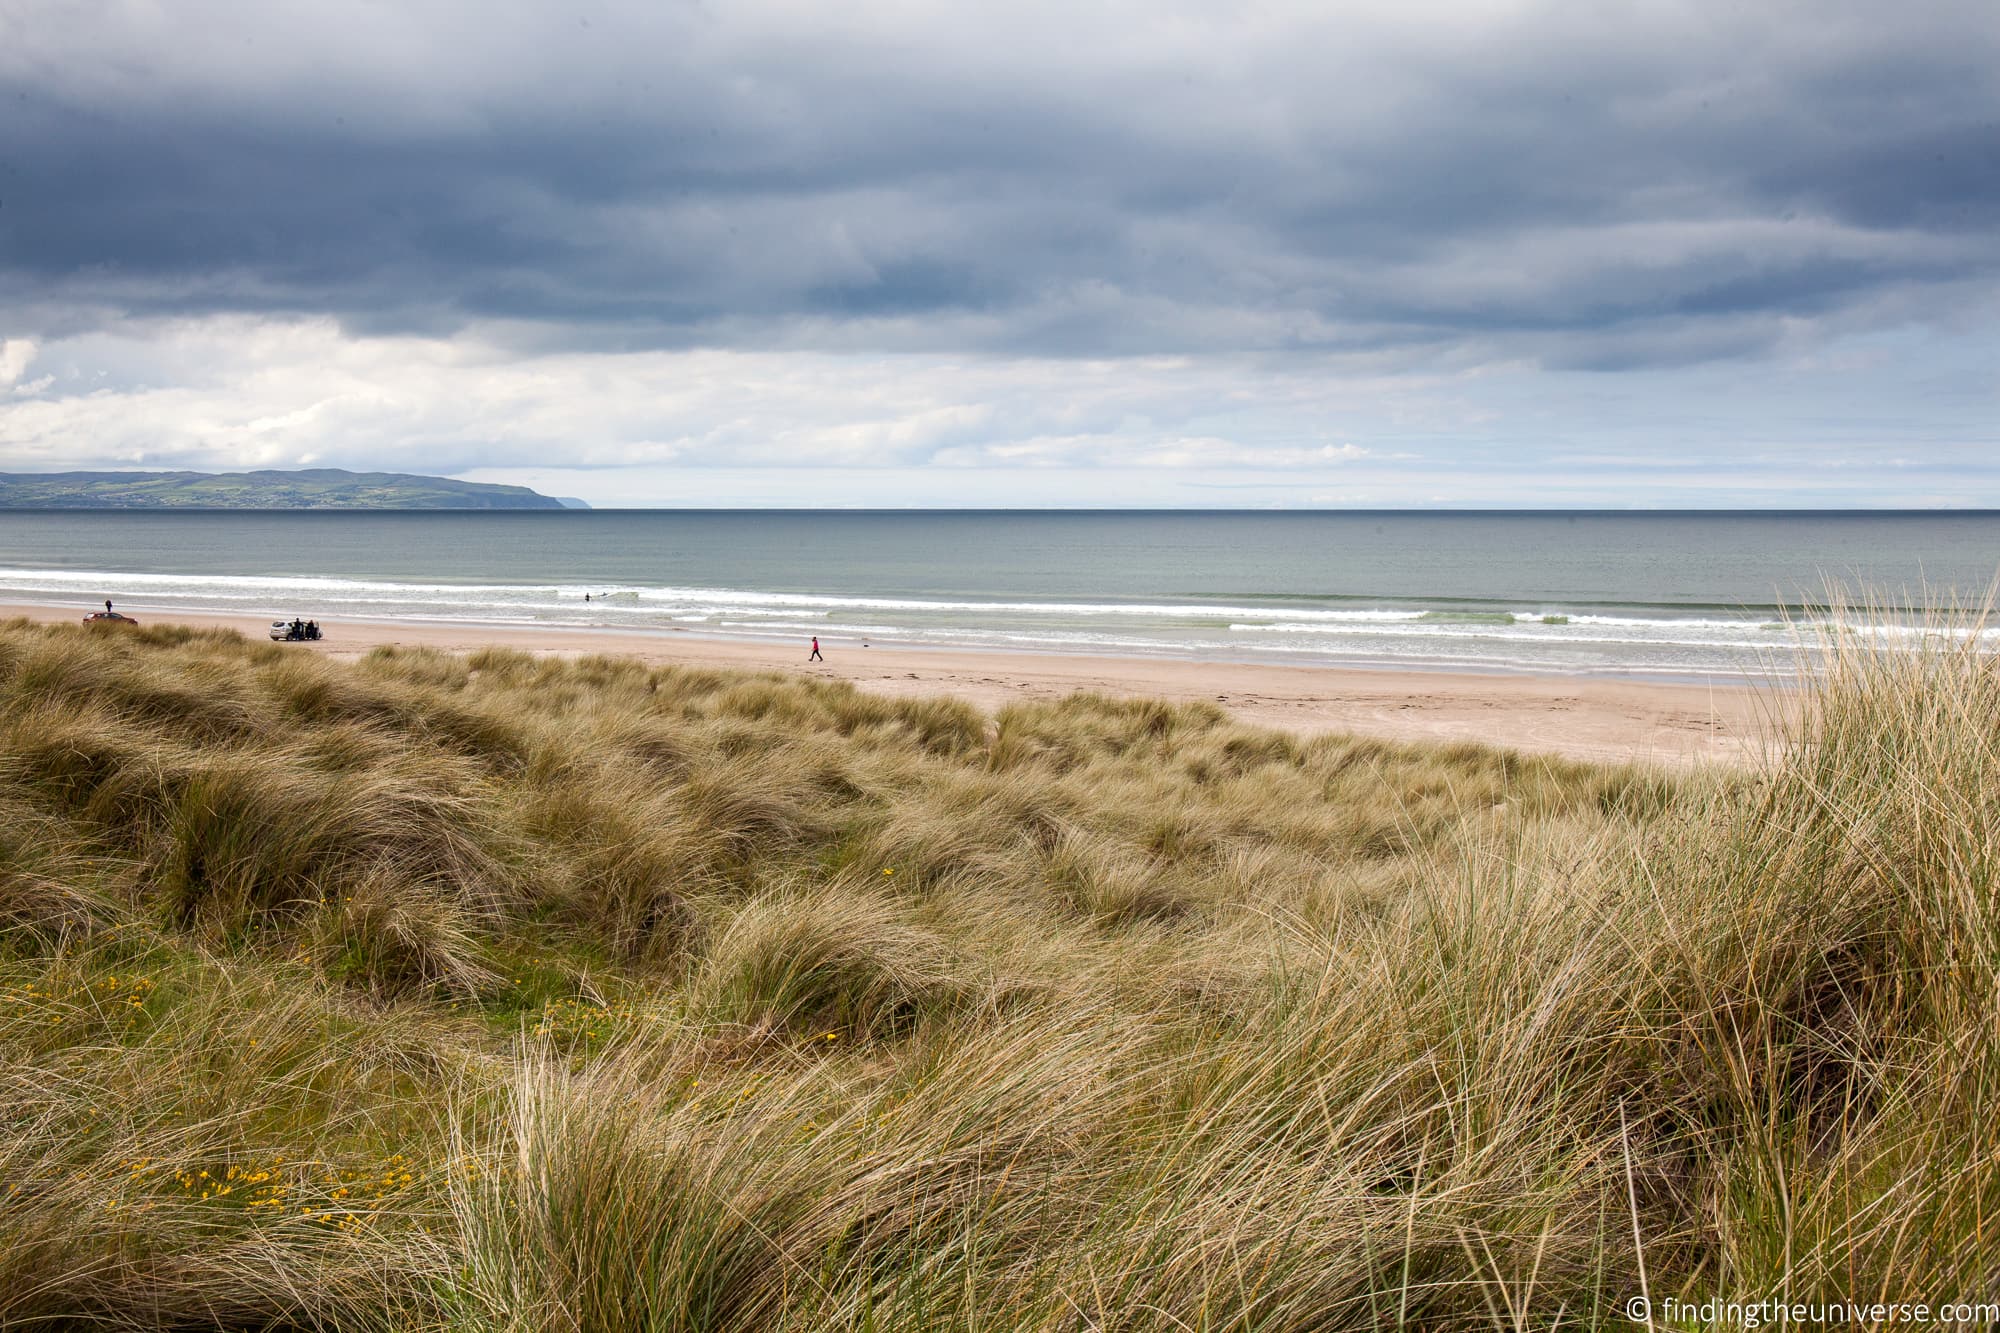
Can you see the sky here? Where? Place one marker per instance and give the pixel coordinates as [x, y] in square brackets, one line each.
[1396, 253]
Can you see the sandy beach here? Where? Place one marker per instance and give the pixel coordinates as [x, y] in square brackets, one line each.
[1579, 717]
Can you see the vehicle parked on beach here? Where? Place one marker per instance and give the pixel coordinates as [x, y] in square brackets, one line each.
[109, 618]
[294, 631]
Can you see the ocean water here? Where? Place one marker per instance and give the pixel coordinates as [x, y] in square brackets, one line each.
[1649, 594]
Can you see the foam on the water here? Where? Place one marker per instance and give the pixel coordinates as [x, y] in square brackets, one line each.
[1537, 638]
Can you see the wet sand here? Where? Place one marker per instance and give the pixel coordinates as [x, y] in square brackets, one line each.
[1577, 716]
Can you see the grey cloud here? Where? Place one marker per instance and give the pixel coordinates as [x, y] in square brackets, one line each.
[660, 177]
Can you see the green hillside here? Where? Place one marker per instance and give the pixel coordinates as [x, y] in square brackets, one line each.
[310, 488]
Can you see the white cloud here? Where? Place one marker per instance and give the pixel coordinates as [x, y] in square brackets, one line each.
[715, 426]
[240, 392]
[16, 355]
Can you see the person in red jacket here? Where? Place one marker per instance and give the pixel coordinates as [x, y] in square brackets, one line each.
[815, 652]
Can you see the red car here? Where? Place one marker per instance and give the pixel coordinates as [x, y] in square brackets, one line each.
[108, 618]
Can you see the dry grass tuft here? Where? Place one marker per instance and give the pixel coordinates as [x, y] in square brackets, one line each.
[841, 960]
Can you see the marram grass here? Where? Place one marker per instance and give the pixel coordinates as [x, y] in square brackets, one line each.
[509, 993]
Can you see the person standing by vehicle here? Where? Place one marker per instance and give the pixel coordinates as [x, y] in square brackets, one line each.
[815, 652]
[107, 606]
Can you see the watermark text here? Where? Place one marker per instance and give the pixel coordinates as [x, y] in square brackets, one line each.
[1676, 1312]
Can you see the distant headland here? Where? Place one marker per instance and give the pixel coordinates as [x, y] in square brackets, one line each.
[307, 488]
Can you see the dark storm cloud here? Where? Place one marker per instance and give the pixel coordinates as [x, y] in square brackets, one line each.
[1585, 188]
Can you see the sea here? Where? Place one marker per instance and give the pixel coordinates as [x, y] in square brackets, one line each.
[1672, 595]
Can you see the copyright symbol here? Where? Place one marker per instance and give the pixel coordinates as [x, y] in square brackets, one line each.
[1639, 1310]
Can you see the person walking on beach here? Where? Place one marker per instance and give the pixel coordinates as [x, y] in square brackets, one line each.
[815, 652]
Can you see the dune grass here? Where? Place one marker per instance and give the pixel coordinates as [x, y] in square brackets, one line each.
[502, 992]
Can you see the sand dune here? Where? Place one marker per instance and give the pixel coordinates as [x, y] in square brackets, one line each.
[1581, 717]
